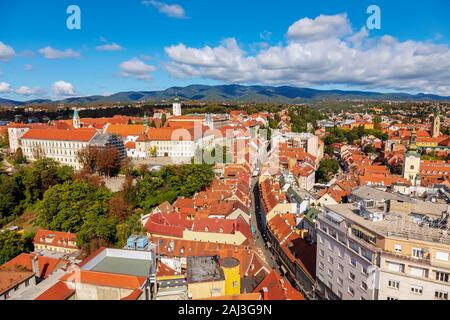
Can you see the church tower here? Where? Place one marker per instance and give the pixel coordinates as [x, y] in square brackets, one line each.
[177, 107]
[76, 119]
[209, 122]
[436, 123]
[411, 166]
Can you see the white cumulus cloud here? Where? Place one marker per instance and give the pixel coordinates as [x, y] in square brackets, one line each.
[136, 68]
[51, 53]
[6, 52]
[322, 27]
[5, 87]
[63, 89]
[322, 52]
[171, 10]
[109, 47]
[27, 91]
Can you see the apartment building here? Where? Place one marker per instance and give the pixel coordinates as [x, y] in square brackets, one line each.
[400, 256]
[346, 263]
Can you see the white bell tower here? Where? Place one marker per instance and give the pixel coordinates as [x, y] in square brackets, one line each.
[176, 107]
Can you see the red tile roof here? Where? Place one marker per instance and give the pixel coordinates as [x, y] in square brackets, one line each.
[9, 279]
[46, 264]
[83, 135]
[57, 238]
[168, 224]
[59, 291]
[125, 130]
[277, 288]
[105, 279]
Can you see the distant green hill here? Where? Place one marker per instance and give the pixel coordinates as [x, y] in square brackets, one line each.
[237, 93]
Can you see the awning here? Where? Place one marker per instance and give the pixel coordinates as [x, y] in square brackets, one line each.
[363, 231]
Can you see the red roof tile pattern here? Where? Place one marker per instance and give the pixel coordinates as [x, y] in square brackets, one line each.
[55, 238]
[79, 135]
[275, 287]
[59, 291]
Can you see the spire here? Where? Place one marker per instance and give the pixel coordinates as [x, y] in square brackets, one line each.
[145, 120]
[76, 119]
[413, 141]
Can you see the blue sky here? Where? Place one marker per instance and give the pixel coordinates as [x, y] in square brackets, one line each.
[167, 43]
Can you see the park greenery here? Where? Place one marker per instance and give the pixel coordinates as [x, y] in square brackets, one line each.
[302, 116]
[13, 244]
[350, 136]
[327, 170]
[61, 200]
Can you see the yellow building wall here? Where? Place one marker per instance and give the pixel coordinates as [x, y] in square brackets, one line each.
[232, 281]
[206, 290]
[54, 248]
[430, 249]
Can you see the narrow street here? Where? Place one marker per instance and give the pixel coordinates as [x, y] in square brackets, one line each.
[258, 226]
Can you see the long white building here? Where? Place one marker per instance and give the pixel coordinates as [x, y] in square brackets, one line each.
[60, 145]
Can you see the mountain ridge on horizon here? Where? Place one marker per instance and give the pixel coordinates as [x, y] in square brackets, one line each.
[233, 92]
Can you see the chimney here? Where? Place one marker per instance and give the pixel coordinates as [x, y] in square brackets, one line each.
[265, 293]
[35, 266]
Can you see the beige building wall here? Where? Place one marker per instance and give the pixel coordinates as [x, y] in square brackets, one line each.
[205, 290]
[281, 208]
[237, 238]
[91, 292]
[414, 270]
[54, 248]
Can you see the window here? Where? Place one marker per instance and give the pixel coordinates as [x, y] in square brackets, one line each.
[363, 285]
[340, 268]
[417, 253]
[419, 272]
[353, 262]
[394, 284]
[339, 294]
[441, 295]
[340, 281]
[351, 291]
[364, 270]
[333, 234]
[443, 256]
[330, 273]
[416, 289]
[395, 267]
[330, 260]
[442, 276]
[340, 254]
[321, 253]
[351, 276]
[321, 266]
[354, 247]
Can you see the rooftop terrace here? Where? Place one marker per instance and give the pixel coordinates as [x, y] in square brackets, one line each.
[204, 269]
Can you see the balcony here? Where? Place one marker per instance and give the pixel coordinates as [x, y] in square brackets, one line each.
[425, 260]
